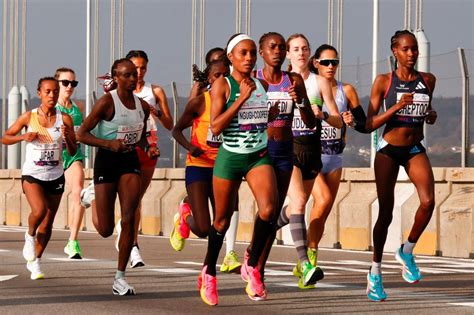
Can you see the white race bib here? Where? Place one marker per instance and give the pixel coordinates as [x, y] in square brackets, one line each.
[46, 154]
[253, 114]
[418, 108]
[213, 141]
[285, 101]
[298, 126]
[329, 132]
[130, 134]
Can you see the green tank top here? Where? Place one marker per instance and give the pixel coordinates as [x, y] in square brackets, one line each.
[77, 119]
[247, 132]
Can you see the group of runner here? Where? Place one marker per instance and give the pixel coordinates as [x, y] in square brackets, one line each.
[282, 131]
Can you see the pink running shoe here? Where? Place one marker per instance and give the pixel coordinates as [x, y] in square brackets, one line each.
[255, 288]
[183, 226]
[244, 273]
[208, 288]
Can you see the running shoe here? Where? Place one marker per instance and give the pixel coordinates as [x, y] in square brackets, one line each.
[375, 291]
[230, 263]
[73, 250]
[29, 252]
[121, 287]
[35, 269]
[243, 270]
[208, 288]
[410, 273]
[118, 228]
[184, 212]
[255, 288]
[176, 241]
[87, 195]
[136, 259]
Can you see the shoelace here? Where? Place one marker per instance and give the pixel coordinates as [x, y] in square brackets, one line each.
[211, 283]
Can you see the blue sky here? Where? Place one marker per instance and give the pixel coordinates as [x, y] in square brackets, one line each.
[56, 34]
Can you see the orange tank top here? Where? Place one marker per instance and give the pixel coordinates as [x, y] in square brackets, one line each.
[202, 137]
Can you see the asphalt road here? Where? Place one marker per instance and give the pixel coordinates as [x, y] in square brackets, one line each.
[167, 284]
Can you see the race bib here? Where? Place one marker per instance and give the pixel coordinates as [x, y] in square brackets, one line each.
[298, 126]
[46, 154]
[213, 141]
[285, 104]
[130, 134]
[416, 111]
[329, 132]
[253, 115]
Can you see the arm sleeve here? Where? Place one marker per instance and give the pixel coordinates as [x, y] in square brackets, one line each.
[359, 118]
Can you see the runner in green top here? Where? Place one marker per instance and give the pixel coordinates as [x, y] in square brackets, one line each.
[73, 167]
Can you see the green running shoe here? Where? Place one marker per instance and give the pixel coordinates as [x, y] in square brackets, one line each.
[231, 263]
[73, 250]
[176, 241]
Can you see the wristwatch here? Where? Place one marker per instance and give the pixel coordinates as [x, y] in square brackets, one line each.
[300, 105]
[325, 115]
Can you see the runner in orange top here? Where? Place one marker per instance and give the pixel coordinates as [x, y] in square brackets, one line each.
[202, 151]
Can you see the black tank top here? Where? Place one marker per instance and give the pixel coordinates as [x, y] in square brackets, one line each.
[412, 115]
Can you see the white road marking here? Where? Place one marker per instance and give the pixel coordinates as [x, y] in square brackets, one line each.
[175, 270]
[7, 277]
[73, 260]
[4, 250]
[318, 285]
[468, 304]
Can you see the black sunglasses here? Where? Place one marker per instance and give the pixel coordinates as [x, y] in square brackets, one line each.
[66, 83]
[327, 62]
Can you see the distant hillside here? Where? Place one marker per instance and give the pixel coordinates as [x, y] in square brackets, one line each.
[443, 138]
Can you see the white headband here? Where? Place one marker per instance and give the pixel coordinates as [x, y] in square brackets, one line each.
[237, 39]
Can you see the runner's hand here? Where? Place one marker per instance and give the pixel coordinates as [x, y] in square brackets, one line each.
[247, 86]
[117, 145]
[30, 136]
[431, 117]
[195, 151]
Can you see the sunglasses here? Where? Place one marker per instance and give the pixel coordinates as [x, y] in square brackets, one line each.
[327, 62]
[66, 83]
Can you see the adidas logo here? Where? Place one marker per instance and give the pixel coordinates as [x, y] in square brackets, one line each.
[420, 86]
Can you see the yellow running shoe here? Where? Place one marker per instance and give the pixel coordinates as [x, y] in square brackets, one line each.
[231, 263]
[176, 241]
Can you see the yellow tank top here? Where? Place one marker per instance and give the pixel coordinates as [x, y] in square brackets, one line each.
[201, 137]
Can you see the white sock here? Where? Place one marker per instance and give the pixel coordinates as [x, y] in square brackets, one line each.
[27, 235]
[231, 234]
[408, 247]
[376, 268]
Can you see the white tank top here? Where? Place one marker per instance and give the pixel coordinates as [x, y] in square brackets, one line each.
[43, 155]
[127, 124]
[152, 123]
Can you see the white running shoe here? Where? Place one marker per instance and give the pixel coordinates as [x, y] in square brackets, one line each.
[118, 228]
[34, 268]
[29, 252]
[121, 287]
[136, 259]
[87, 195]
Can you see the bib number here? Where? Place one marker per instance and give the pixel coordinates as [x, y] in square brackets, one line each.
[253, 116]
[213, 141]
[130, 134]
[46, 155]
[329, 132]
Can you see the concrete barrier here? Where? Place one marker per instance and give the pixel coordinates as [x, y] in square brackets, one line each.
[456, 215]
[355, 224]
[6, 183]
[349, 226]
